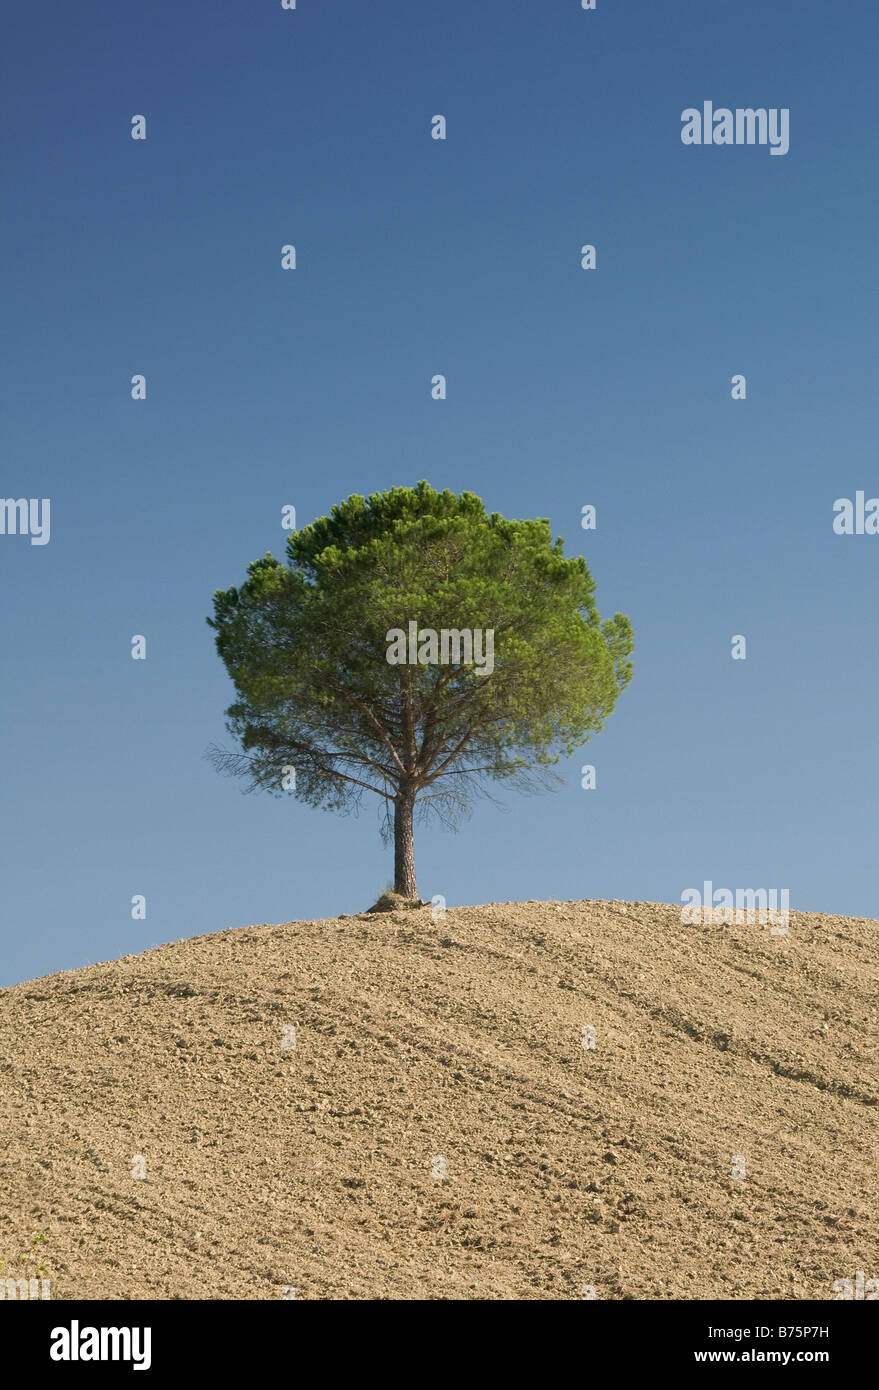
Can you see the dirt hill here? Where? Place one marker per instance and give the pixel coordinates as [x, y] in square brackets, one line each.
[443, 1127]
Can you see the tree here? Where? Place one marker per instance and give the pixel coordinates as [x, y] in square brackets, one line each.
[313, 648]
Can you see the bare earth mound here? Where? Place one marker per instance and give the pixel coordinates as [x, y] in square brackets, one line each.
[440, 1130]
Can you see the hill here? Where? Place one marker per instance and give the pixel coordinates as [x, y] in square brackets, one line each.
[440, 1130]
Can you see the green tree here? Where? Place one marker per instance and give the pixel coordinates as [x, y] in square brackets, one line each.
[306, 644]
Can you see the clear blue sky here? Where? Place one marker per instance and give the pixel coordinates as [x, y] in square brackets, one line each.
[566, 387]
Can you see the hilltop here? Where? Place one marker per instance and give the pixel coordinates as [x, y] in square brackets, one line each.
[440, 1130]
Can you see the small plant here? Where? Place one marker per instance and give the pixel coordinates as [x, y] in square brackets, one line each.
[32, 1254]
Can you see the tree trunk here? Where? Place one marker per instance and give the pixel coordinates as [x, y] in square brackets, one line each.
[404, 845]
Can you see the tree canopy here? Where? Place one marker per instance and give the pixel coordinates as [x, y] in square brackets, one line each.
[307, 646]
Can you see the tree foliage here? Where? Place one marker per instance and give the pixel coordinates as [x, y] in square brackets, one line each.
[306, 642]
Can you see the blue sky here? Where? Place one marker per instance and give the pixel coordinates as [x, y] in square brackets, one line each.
[565, 387]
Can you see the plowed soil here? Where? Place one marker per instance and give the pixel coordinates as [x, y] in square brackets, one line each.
[446, 1125]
